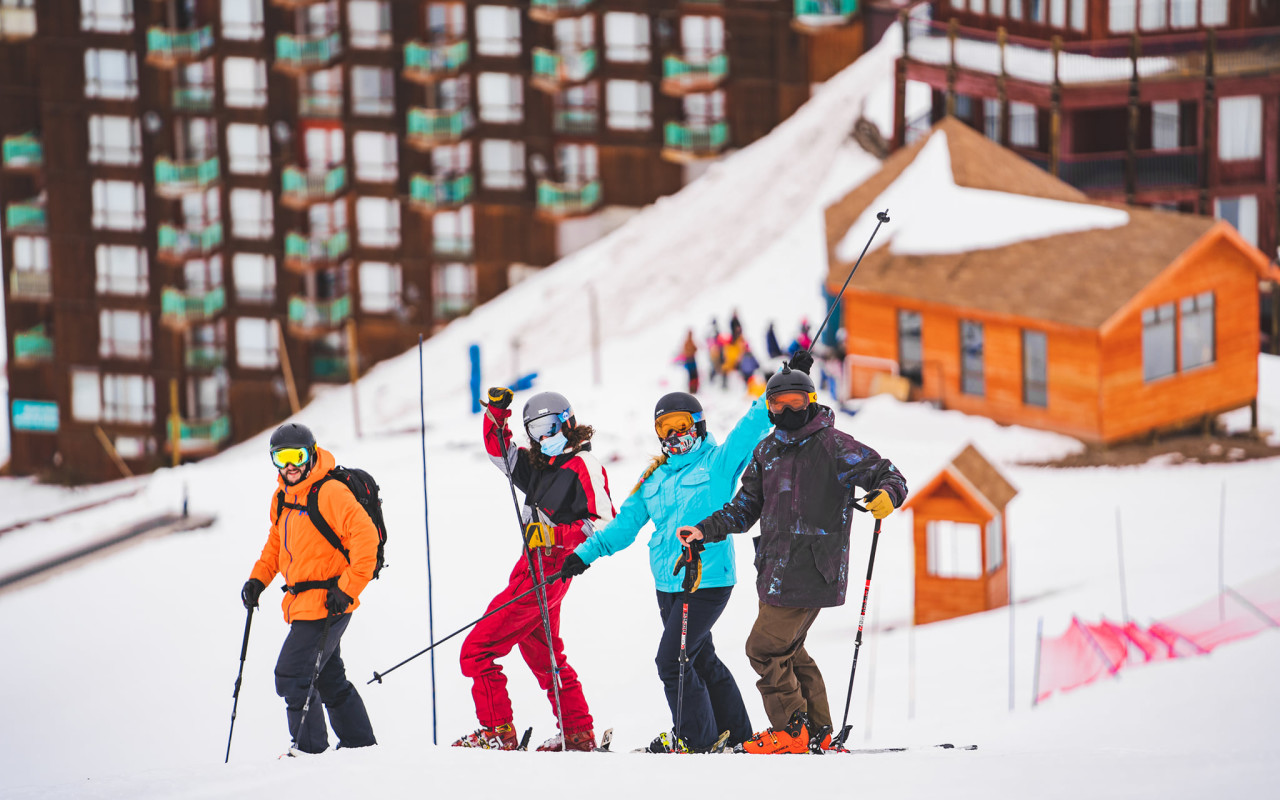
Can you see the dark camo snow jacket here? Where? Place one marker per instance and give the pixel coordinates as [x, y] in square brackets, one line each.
[800, 486]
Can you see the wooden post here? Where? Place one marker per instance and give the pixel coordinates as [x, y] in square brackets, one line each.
[1210, 123]
[1131, 140]
[353, 367]
[900, 84]
[111, 451]
[953, 31]
[175, 423]
[1002, 90]
[1055, 110]
[288, 371]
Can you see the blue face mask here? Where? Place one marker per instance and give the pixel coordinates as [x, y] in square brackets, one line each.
[553, 445]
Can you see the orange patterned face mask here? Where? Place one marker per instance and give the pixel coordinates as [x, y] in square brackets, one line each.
[796, 401]
[675, 422]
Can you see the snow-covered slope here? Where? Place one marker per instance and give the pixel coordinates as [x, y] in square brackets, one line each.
[117, 676]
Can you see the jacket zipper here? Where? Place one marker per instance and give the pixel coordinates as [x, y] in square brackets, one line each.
[289, 607]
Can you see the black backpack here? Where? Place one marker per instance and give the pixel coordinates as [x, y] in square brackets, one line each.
[364, 488]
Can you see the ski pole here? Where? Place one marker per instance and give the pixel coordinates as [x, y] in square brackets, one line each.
[881, 218]
[378, 676]
[857, 642]
[684, 633]
[235, 695]
[426, 526]
[315, 676]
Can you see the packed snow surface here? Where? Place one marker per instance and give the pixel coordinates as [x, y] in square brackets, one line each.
[117, 676]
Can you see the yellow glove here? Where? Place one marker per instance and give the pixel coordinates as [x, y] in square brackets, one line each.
[538, 534]
[880, 505]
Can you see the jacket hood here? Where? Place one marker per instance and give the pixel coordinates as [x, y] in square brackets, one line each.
[325, 461]
[825, 418]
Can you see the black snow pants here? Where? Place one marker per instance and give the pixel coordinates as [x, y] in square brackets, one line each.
[294, 668]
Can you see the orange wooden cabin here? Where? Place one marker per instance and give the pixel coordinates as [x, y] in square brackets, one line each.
[1104, 334]
[960, 535]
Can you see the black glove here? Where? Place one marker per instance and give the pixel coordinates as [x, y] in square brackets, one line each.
[249, 594]
[802, 360]
[500, 397]
[691, 562]
[573, 567]
[337, 601]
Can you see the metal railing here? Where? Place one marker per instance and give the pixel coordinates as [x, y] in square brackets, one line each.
[309, 314]
[171, 45]
[559, 67]
[818, 13]
[175, 242]
[184, 176]
[205, 356]
[700, 139]
[25, 216]
[576, 120]
[433, 193]
[680, 69]
[183, 307]
[316, 249]
[322, 105]
[436, 59]
[456, 247]
[23, 150]
[307, 52]
[32, 345]
[429, 125]
[330, 368]
[568, 199]
[26, 285]
[209, 432]
[557, 7]
[193, 98]
[1153, 169]
[299, 184]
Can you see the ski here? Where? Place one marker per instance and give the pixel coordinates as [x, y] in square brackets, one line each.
[906, 749]
[606, 739]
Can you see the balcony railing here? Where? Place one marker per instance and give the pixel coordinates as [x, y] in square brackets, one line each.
[682, 75]
[26, 217]
[27, 285]
[32, 346]
[193, 98]
[168, 47]
[568, 199]
[429, 127]
[303, 252]
[330, 369]
[305, 53]
[554, 70]
[551, 10]
[430, 194]
[818, 14]
[424, 62]
[320, 105]
[318, 316]
[576, 121]
[459, 248]
[201, 434]
[1105, 173]
[205, 356]
[683, 141]
[17, 23]
[24, 151]
[179, 309]
[176, 245]
[302, 188]
[176, 178]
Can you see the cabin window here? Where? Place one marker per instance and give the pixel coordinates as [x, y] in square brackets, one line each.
[1079, 14]
[630, 105]
[119, 206]
[31, 254]
[252, 214]
[1158, 350]
[378, 221]
[954, 549]
[446, 22]
[502, 164]
[1121, 15]
[997, 7]
[626, 37]
[454, 289]
[1242, 213]
[577, 164]
[106, 16]
[242, 19]
[995, 543]
[255, 277]
[110, 74]
[1058, 13]
[702, 38]
[373, 91]
[991, 119]
[1240, 128]
[1035, 368]
[497, 31]
[244, 82]
[248, 149]
[1024, 125]
[121, 270]
[453, 234]
[369, 24]
[113, 398]
[376, 156]
[1153, 14]
[501, 97]
[257, 343]
[124, 334]
[910, 349]
[114, 140]
[380, 285]
[1196, 330]
[972, 380]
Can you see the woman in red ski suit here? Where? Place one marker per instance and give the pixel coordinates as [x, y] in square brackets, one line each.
[566, 499]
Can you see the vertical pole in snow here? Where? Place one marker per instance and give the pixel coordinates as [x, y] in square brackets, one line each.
[595, 334]
[1124, 599]
[426, 526]
[1035, 675]
[1222, 544]
[353, 369]
[1008, 572]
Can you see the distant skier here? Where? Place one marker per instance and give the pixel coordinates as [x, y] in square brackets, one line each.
[735, 326]
[689, 352]
[799, 486]
[322, 589]
[692, 477]
[771, 343]
[566, 498]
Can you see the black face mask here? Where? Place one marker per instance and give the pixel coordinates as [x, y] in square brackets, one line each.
[790, 419]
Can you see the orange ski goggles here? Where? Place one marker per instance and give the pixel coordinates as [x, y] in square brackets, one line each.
[676, 422]
[796, 401]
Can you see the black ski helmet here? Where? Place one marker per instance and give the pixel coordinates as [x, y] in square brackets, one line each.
[546, 404]
[293, 434]
[681, 401]
[789, 380]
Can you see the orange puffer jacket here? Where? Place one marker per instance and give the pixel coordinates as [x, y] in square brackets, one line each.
[298, 551]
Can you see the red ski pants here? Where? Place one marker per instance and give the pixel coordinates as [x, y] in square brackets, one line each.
[520, 625]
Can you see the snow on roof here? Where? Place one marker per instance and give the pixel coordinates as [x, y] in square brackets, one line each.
[932, 215]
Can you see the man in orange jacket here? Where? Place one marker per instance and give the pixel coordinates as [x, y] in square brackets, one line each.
[322, 587]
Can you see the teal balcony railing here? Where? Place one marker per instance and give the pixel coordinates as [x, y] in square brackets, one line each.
[320, 105]
[174, 178]
[27, 285]
[330, 369]
[301, 250]
[306, 314]
[172, 46]
[199, 434]
[432, 194]
[696, 140]
[824, 13]
[552, 9]
[24, 150]
[461, 248]
[576, 120]
[26, 217]
[682, 72]
[302, 187]
[205, 356]
[568, 200]
[193, 98]
[307, 52]
[429, 61]
[179, 308]
[428, 127]
[554, 69]
[178, 244]
[32, 346]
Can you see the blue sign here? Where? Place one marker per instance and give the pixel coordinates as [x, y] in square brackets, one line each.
[40, 416]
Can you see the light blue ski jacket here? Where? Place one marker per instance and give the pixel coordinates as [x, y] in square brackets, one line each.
[683, 491]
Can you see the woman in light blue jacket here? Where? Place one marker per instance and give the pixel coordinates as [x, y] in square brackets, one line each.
[694, 477]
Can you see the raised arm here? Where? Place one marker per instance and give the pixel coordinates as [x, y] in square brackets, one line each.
[740, 513]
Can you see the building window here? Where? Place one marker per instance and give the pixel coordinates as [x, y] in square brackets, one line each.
[1158, 351]
[31, 254]
[701, 37]
[124, 334]
[972, 380]
[1036, 11]
[954, 549]
[208, 395]
[86, 395]
[252, 214]
[995, 543]
[122, 270]
[1195, 330]
[978, 6]
[1058, 13]
[498, 31]
[577, 109]
[991, 119]
[380, 285]
[373, 92]
[1242, 213]
[242, 19]
[199, 137]
[997, 7]
[1079, 14]
[501, 97]
[1153, 14]
[378, 221]
[1240, 128]
[118, 206]
[376, 156]
[369, 24]
[630, 105]
[255, 277]
[1035, 368]
[323, 147]
[1024, 125]
[257, 343]
[1121, 15]
[704, 108]
[446, 22]
[129, 399]
[910, 347]
[1214, 12]
[454, 289]
[106, 16]
[322, 96]
[110, 74]
[626, 37]
[577, 163]
[1165, 125]
[248, 149]
[114, 140]
[502, 164]
[244, 82]
[451, 160]
[453, 233]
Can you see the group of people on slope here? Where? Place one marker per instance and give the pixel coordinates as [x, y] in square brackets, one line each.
[797, 480]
